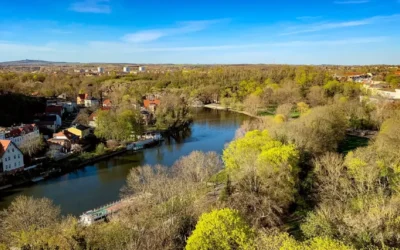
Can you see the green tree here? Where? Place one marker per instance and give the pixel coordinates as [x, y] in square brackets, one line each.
[122, 124]
[221, 229]
[172, 112]
[318, 131]
[265, 173]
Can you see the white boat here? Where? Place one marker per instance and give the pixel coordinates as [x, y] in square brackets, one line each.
[146, 139]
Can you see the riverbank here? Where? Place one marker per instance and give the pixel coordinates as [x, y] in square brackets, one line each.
[100, 183]
[220, 107]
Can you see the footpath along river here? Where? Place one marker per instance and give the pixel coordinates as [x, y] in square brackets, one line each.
[100, 183]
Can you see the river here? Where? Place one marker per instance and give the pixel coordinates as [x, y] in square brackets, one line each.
[100, 183]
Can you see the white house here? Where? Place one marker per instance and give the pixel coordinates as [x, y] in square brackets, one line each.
[100, 70]
[142, 69]
[91, 102]
[11, 158]
[126, 70]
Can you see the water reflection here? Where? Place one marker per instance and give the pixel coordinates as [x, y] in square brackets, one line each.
[100, 183]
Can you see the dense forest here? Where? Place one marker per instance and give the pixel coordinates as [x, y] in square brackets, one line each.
[283, 183]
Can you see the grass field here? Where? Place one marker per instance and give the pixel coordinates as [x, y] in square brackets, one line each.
[352, 142]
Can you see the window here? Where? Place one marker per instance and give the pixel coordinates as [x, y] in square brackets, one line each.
[15, 157]
[13, 150]
[18, 156]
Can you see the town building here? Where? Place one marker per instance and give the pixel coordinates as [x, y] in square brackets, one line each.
[91, 102]
[80, 99]
[50, 122]
[100, 70]
[64, 138]
[11, 157]
[142, 69]
[20, 135]
[126, 69]
[62, 96]
[151, 104]
[80, 130]
[93, 117]
[55, 110]
[67, 105]
[107, 103]
[358, 77]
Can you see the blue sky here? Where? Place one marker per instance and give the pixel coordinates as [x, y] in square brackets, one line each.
[207, 31]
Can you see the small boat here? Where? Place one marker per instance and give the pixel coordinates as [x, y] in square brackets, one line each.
[37, 179]
[146, 140]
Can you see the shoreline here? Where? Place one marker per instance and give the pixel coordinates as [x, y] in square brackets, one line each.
[220, 107]
[71, 163]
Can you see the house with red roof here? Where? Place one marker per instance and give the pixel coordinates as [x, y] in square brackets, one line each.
[107, 103]
[64, 138]
[21, 134]
[151, 104]
[11, 157]
[55, 110]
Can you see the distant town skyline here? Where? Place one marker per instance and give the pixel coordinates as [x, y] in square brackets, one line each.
[346, 32]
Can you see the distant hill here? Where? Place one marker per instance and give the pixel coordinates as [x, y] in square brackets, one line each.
[31, 62]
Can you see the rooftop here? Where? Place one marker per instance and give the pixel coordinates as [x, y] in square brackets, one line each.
[3, 146]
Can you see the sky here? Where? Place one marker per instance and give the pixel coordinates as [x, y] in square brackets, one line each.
[202, 32]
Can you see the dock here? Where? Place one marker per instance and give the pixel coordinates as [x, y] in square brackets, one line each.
[99, 214]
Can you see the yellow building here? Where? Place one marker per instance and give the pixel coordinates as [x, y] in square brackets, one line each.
[80, 131]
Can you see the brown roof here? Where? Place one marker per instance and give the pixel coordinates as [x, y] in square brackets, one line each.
[14, 132]
[3, 146]
[83, 96]
[54, 110]
[107, 102]
[92, 116]
[66, 133]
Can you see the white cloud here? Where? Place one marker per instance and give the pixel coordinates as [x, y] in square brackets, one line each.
[336, 25]
[134, 48]
[91, 6]
[290, 51]
[352, 2]
[10, 47]
[182, 28]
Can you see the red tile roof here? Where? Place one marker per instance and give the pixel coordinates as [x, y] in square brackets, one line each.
[54, 110]
[3, 146]
[107, 102]
[147, 103]
[92, 116]
[14, 132]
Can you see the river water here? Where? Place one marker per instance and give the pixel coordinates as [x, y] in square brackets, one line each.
[100, 183]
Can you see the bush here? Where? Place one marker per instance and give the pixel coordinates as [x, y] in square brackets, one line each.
[221, 229]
